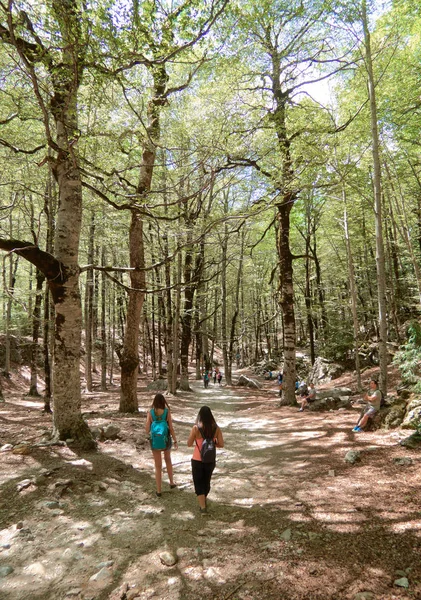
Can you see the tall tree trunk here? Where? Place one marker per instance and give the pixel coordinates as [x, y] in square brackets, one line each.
[36, 325]
[89, 300]
[353, 288]
[186, 318]
[224, 302]
[380, 260]
[129, 359]
[286, 294]
[103, 324]
[176, 323]
[236, 310]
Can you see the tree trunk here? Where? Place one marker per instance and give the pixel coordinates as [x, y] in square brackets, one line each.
[380, 261]
[186, 319]
[353, 287]
[129, 360]
[286, 294]
[232, 339]
[89, 294]
[224, 300]
[36, 324]
[103, 325]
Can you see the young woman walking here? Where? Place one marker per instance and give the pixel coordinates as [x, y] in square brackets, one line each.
[160, 428]
[205, 428]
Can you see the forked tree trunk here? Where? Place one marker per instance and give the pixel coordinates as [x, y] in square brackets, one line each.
[62, 270]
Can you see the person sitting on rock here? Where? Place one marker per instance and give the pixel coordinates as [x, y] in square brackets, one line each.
[373, 400]
[309, 398]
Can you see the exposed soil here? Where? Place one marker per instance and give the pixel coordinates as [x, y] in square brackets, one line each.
[288, 519]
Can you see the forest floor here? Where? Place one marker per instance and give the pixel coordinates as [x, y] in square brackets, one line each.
[288, 518]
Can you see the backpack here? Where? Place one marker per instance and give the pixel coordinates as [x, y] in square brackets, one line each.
[159, 431]
[208, 450]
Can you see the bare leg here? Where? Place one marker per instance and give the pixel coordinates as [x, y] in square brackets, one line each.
[363, 421]
[202, 500]
[168, 463]
[158, 469]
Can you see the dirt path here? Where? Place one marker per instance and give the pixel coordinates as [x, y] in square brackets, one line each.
[289, 518]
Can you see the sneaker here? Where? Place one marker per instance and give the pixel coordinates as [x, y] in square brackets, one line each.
[357, 429]
[203, 511]
[158, 494]
[173, 485]
[300, 409]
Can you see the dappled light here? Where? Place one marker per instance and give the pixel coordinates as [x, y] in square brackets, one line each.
[283, 502]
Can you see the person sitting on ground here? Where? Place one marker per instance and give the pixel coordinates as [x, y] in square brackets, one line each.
[373, 400]
[309, 398]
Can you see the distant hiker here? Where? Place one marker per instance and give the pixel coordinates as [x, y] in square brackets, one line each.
[160, 429]
[214, 376]
[205, 436]
[373, 399]
[206, 379]
[219, 377]
[280, 379]
[309, 398]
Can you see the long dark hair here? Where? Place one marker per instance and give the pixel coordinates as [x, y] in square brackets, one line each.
[160, 402]
[206, 421]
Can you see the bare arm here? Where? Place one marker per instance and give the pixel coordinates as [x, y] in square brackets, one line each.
[148, 422]
[219, 438]
[192, 436]
[171, 428]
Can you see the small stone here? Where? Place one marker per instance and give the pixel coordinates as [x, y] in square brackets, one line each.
[5, 571]
[405, 460]
[352, 456]
[103, 574]
[364, 596]
[286, 535]
[168, 559]
[5, 546]
[19, 525]
[22, 449]
[402, 582]
[36, 568]
[107, 563]
[25, 483]
[52, 504]
[70, 441]
[74, 592]
[6, 448]
[110, 432]
[63, 483]
[133, 593]
[331, 473]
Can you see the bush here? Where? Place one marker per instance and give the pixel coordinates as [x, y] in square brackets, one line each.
[408, 359]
